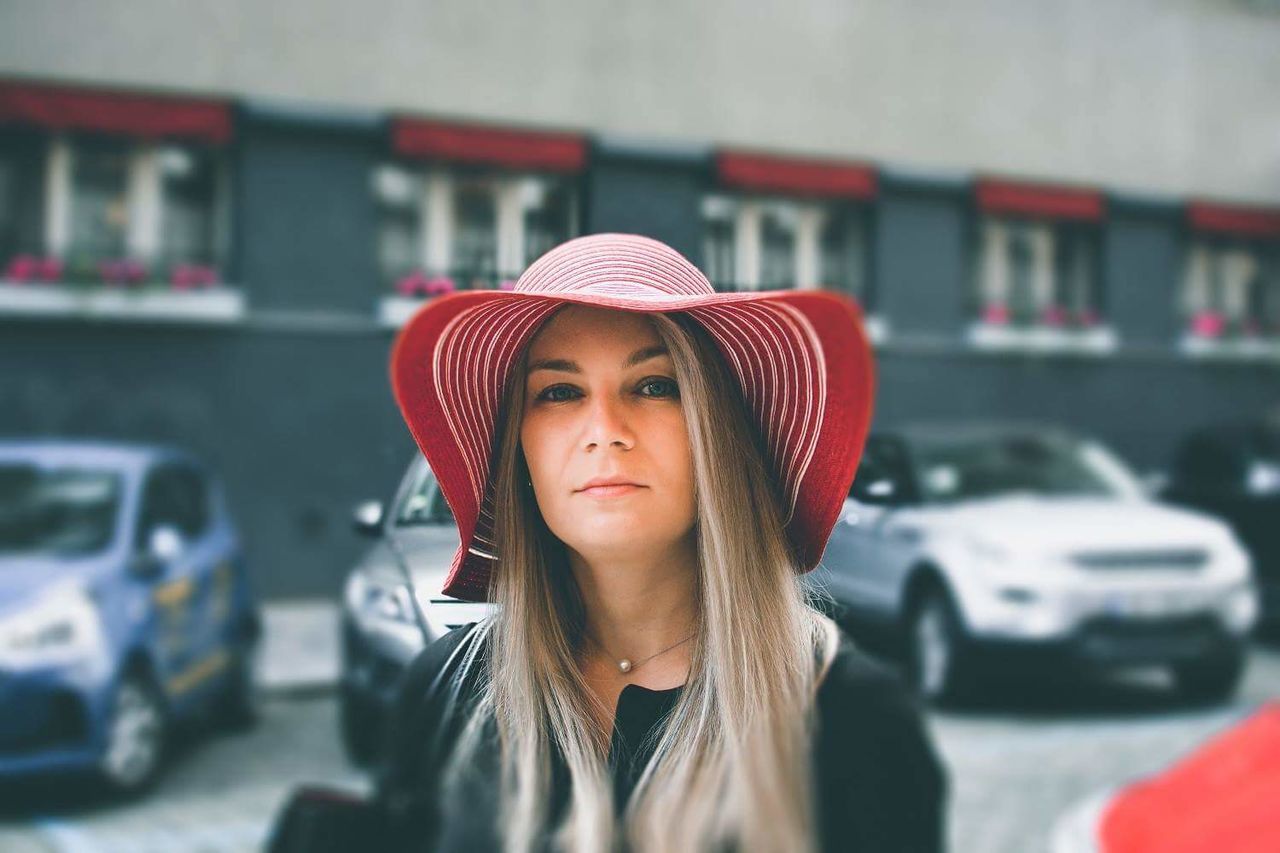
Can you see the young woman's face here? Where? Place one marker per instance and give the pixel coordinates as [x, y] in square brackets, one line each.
[601, 401]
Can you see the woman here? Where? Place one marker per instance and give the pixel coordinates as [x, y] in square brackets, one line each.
[641, 469]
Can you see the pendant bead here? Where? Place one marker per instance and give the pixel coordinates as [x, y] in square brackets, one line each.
[624, 665]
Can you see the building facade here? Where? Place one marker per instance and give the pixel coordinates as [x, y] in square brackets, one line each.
[213, 220]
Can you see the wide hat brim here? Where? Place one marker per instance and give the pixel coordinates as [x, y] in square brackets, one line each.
[802, 359]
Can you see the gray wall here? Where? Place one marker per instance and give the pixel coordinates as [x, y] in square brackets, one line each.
[1171, 96]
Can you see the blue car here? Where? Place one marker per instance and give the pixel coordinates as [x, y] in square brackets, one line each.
[124, 608]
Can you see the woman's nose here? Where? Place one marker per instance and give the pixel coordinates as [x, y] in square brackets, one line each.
[607, 422]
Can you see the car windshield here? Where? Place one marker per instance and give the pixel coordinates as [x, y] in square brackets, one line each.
[1039, 464]
[56, 511]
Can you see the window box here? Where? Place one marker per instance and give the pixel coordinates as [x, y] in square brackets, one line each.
[1094, 339]
[214, 304]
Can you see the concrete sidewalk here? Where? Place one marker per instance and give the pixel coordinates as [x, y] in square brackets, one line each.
[301, 650]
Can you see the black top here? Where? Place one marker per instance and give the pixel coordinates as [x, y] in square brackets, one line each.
[881, 785]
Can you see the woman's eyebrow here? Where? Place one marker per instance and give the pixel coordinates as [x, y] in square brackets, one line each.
[567, 366]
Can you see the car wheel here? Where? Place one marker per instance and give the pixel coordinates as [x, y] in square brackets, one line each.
[137, 735]
[1213, 678]
[935, 648]
[239, 706]
[360, 725]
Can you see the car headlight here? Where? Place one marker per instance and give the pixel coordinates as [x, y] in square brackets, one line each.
[1240, 609]
[62, 626]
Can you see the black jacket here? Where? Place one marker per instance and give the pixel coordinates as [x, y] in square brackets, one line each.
[881, 785]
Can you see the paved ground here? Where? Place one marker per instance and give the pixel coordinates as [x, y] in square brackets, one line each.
[1016, 763]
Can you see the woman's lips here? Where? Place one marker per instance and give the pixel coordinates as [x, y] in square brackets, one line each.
[616, 490]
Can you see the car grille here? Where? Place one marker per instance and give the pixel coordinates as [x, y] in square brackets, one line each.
[1185, 559]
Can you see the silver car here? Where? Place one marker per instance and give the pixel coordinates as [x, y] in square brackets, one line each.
[384, 625]
[1016, 543]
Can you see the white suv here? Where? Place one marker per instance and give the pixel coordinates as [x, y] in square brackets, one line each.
[1011, 543]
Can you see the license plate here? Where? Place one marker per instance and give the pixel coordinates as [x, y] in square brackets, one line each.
[1151, 603]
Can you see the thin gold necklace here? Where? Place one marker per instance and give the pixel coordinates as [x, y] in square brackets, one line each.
[625, 664]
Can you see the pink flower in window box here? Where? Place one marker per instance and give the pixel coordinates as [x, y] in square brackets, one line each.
[1087, 317]
[996, 313]
[1208, 324]
[507, 284]
[440, 285]
[122, 271]
[192, 276]
[22, 268]
[50, 269]
[411, 285]
[1054, 315]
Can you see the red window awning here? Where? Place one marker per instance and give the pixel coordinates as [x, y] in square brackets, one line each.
[995, 195]
[1237, 220]
[61, 107]
[506, 147]
[772, 173]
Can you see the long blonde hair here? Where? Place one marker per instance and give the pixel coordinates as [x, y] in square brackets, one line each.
[731, 763]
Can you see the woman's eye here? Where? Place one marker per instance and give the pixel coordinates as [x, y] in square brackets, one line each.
[549, 393]
[668, 384]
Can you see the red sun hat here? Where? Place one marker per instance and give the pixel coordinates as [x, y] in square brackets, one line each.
[802, 359]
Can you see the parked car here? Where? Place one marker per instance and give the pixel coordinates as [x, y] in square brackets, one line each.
[1014, 543]
[1232, 471]
[125, 607]
[384, 624]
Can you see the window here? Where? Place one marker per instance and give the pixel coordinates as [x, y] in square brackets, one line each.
[475, 242]
[844, 251]
[100, 209]
[99, 202]
[1037, 273]
[1231, 289]
[190, 194]
[771, 243]
[424, 504]
[442, 228]
[175, 495]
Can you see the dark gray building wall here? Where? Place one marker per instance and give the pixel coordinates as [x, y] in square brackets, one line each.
[920, 257]
[301, 425]
[304, 211]
[1142, 272]
[659, 194]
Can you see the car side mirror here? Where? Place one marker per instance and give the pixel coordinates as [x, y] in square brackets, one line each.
[1154, 483]
[367, 518]
[883, 491]
[164, 544]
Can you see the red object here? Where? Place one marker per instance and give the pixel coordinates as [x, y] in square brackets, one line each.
[801, 357]
[192, 276]
[59, 107]
[468, 143]
[1054, 315]
[995, 195]
[996, 314]
[412, 284]
[1244, 221]
[440, 285]
[1208, 324]
[771, 173]
[122, 271]
[1223, 797]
